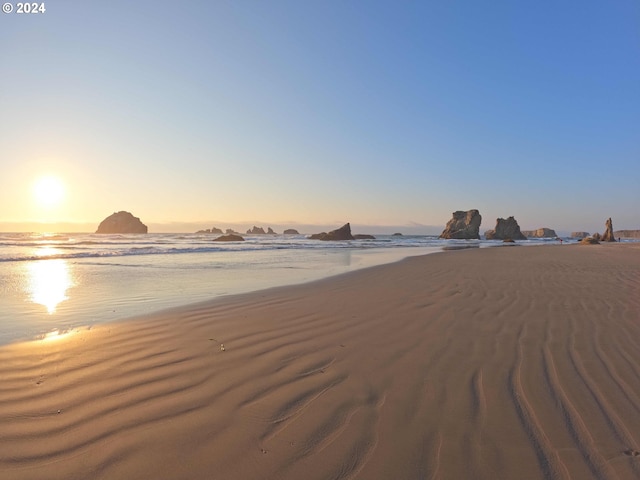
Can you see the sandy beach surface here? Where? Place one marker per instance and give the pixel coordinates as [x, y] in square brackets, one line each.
[496, 363]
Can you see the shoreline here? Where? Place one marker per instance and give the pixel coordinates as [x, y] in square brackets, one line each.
[265, 291]
[357, 260]
[120, 289]
[496, 363]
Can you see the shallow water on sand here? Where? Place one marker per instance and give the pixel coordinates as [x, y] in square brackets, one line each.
[61, 281]
[58, 294]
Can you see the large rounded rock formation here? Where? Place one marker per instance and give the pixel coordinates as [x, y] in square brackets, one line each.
[121, 222]
[505, 228]
[463, 226]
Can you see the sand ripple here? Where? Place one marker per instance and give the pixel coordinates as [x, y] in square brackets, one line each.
[473, 364]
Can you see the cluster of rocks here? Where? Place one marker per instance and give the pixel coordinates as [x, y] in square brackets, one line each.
[465, 225]
[211, 230]
[342, 233]
[252, 231]
[233, 236]
[125, 222]
[260, 231]
[596, 238]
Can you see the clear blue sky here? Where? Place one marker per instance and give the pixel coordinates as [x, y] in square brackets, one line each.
[321, 112]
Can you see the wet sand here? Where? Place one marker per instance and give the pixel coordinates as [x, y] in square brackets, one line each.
[498, 363]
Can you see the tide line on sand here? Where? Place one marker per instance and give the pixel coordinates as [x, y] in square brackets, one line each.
[485, 363]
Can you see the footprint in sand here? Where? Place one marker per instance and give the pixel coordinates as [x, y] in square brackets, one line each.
[632, 453]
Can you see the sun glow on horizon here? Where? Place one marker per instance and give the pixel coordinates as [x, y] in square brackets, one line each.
[48, 191]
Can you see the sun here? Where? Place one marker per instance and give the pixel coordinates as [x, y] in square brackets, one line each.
[48, 191]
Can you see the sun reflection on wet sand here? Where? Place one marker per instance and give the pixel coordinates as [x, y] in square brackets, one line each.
[48, 282]
[56, 335]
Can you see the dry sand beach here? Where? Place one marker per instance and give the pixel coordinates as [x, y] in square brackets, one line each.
[497, 363]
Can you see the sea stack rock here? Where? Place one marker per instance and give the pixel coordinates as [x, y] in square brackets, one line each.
[589, 241]
[212, 230]
[270, 231]
[505, 228]
[363, 236]
[291, 231]
[342, 233]
[229, 237]
[579, 234]
[607, 236]
[256, 231]
[543, 232]
[463, 226]
[121, 222]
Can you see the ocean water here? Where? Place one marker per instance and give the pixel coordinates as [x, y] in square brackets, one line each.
[57, 282]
